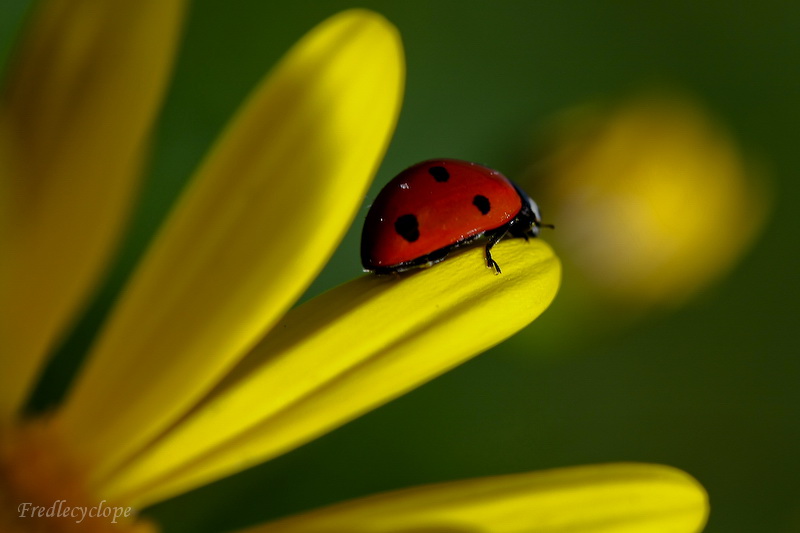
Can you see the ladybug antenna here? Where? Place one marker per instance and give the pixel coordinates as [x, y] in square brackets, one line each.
[541, 225]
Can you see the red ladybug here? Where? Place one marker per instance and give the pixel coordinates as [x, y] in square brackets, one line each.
[438, 205]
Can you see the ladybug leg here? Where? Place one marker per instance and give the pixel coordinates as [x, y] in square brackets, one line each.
[491, 263]
[494, 238]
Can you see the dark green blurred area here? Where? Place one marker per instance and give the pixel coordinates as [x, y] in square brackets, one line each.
[713, 388]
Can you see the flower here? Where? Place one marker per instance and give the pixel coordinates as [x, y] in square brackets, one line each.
[656, 200]
[202, 369]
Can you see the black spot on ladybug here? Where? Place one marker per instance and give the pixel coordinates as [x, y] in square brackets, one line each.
[482, 203]
[407, 227]
[440, 174]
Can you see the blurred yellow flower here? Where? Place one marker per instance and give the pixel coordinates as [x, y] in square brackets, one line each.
[652, 200]
[201, 370]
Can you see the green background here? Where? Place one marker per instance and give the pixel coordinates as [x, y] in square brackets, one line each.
[713, 388]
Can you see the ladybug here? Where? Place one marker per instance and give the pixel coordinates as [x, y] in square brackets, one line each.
[438, 205]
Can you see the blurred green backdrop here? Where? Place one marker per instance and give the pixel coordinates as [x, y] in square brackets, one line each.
[713, 388]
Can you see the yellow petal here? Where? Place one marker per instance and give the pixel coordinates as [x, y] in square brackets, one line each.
[614, 498]
[74, 118]
[258, 222]
[342, 354]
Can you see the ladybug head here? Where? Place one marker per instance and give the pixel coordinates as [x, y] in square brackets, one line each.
[529, 214]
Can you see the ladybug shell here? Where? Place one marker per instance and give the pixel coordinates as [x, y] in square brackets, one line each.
[433, 206]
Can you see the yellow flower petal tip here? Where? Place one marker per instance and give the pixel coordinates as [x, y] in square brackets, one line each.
[316, 127]
[653, 199]
[618, 498]
[367, 341]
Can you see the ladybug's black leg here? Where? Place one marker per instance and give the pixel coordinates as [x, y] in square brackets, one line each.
[494, 238]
